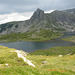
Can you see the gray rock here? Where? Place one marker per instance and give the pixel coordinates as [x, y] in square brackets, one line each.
[57, 21]
[44, 62]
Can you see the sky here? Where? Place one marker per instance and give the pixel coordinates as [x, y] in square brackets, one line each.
[17, 10]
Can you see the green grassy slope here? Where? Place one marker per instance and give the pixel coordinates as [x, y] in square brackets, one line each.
[54, 65]
[71, 38]
[30, 36]
[63, 50]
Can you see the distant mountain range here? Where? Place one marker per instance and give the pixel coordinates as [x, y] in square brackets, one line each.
[57, 21]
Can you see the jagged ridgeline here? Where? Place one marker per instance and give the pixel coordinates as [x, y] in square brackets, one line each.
[40, 26]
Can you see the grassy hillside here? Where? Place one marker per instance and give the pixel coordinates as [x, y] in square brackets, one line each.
[30, 36]
[71, 38]
[45, 65]
[63, 50]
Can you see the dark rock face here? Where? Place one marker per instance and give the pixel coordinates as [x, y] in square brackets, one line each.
[57, 21]
[38, 14]
[37, 17]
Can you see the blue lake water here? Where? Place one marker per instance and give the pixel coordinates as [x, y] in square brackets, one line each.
[29, 46]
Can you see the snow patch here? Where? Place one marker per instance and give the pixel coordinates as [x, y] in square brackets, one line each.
[50, 11]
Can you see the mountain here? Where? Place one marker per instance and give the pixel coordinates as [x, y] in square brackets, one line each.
[70, 10]
[37, 17]
[23, 26]
[43, 24]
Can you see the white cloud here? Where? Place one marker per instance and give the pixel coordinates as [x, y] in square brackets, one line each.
[50, 11]
[4, 18]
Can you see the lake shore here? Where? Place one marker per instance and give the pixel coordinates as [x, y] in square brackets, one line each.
[71, 38]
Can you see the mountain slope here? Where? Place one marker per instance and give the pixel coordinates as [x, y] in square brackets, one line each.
[70, 11]
[42, 23]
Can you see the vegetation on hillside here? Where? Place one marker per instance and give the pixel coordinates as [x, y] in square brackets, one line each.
[30, 36]
[61, 50]
[45, 65]
[71, 38]
[40, 27]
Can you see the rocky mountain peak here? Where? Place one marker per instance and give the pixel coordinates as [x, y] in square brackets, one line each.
[38, 16]
[39, 10]
[57, 21]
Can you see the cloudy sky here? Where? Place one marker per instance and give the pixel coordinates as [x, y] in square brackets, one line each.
[16, 10]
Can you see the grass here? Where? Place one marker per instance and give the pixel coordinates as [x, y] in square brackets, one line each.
[34, 35]
[9, 57]
[55, 51]
[71, 38]
[54, 65]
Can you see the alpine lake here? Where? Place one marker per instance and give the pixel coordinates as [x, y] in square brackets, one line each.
[31, 46]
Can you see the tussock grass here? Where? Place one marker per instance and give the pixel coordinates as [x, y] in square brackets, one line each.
[54, 65]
